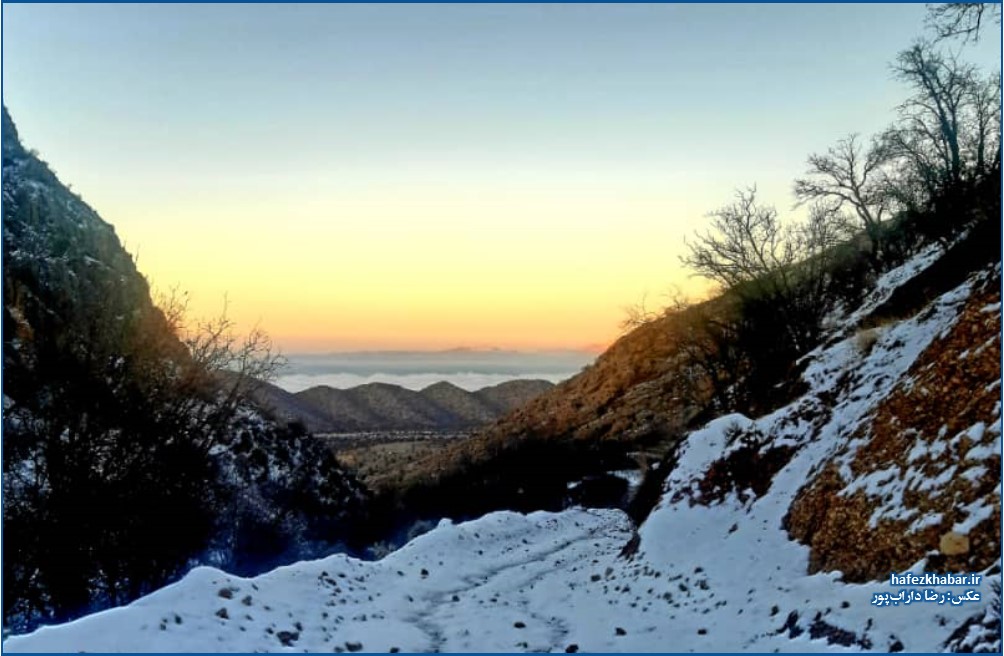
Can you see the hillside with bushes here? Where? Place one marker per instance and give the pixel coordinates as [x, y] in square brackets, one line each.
[738, 473]
[772, 534]
[128, 455]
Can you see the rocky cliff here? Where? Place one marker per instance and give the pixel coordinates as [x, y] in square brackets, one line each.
[124, 460]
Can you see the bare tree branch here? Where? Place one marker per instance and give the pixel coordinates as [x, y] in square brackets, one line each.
[961, 19]
[949, 129]
[851, 175]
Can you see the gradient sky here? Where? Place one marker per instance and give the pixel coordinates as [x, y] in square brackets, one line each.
[432, 176]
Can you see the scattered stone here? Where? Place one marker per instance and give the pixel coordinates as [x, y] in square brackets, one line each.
[287, 638]
[631, 548]
[226, 593]
[954, 544]
[354, 646]
[246, 600]
[791, 626]
[222, 614]
[702, 632]
[837, 636]
[519, 625]
[572, 649]
[619, 631]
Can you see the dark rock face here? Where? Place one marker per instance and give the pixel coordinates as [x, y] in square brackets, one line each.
[122, 463]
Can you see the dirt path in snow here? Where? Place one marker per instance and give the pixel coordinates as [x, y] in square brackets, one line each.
[514, 580]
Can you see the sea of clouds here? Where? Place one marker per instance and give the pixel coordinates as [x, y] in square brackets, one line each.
[416, 370]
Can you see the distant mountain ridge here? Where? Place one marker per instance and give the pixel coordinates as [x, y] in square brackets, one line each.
[382, 406]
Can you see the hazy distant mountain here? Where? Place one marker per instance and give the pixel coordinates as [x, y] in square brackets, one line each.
[381, 406]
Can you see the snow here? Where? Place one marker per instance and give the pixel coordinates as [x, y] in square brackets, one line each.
[633, 477]
[724, 577]
[499, 568]
[885, 286]
[977, 511]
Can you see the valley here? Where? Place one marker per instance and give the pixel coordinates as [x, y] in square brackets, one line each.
[380, 459]
[440, 211]
[592, 580]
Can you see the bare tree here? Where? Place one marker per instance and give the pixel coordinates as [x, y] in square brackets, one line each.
[777, 270]
[961, 19]
[949, 129]
[746, 243]
[985, 98]
[934, 113]
[219, 370]
[850, 175]
[638, 314]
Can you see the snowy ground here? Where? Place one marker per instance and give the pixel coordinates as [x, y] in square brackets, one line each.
[718, 577]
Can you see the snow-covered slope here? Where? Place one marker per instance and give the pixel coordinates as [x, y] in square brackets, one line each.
[715, 567]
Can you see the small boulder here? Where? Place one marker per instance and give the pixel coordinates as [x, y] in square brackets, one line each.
[954, 544]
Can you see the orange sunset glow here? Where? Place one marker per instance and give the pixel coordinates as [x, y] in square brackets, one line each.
[401, 177]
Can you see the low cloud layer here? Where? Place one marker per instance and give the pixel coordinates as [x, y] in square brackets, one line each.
[468, 369]
[470, 381]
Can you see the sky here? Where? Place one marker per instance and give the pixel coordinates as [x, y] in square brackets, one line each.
[353, 177]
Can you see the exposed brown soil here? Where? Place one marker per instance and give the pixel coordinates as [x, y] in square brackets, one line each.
[952, 386]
